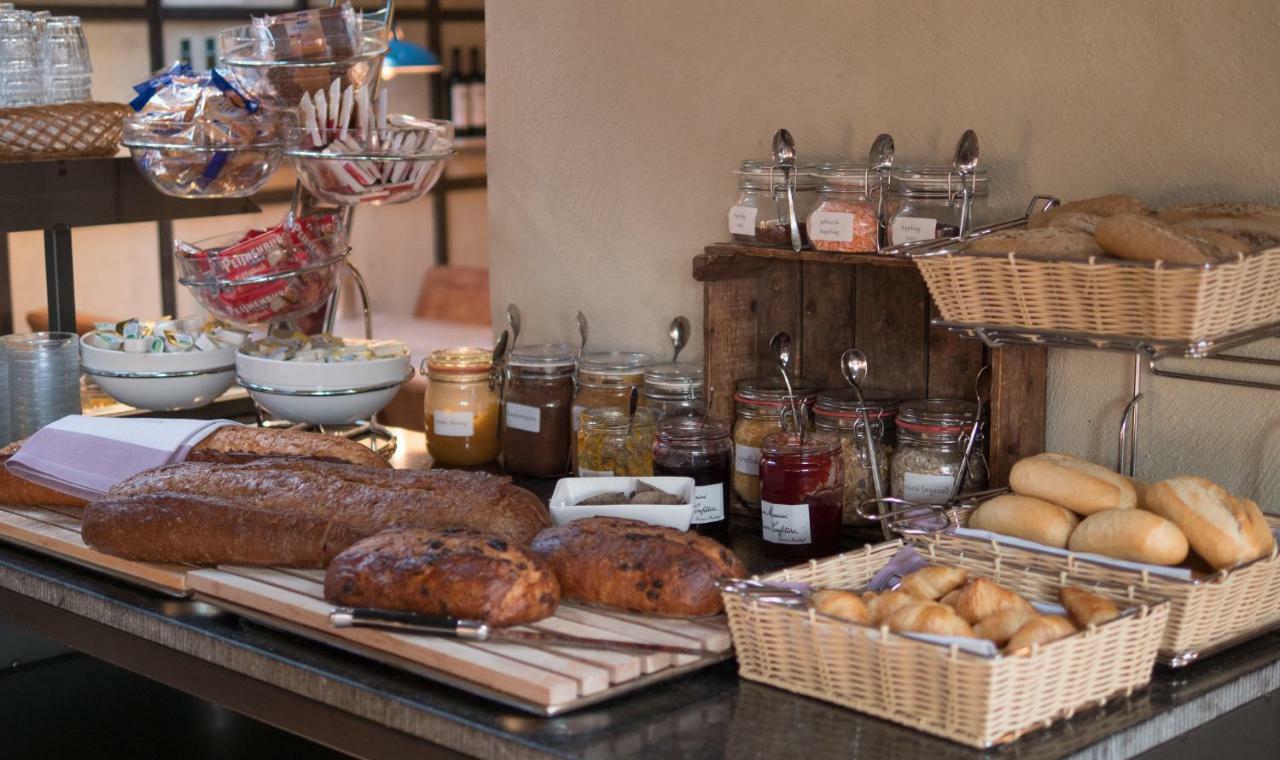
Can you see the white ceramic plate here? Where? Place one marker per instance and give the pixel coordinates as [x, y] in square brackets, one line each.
[160, 394]
[570, 491]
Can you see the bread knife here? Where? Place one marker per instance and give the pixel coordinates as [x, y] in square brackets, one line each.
[475, 630]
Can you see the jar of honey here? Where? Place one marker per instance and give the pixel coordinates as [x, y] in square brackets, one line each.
[801, 490]
[461, 407]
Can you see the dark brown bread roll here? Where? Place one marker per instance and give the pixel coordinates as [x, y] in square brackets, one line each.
[463, 573]
[634, 566]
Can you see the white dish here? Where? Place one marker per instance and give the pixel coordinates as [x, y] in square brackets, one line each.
[330, 392]
[570, 491]
[160, 394]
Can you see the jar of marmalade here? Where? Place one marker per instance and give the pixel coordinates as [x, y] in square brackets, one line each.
[613, 443]
[801, 484]
[461, 407]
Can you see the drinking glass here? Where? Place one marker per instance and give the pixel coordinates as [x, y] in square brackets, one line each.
[19, 77]
[44, 379]
[64, 60]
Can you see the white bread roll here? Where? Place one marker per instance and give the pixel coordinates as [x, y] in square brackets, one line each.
[1025, 517]
[1130, 534]
[1079, 485]
[1223, 529]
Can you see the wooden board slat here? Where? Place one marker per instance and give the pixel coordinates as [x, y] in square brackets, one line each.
[1019, 378]
[777, 309]
[954, 362]
[615, 625]
[827, 291]
[823, 257]
[890, 326]
[728, 338]
[630, 664]
[715, 636]
[41, 514]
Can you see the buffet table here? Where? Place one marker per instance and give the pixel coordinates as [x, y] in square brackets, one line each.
[371, 710]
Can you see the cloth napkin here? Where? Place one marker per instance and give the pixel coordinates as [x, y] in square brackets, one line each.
[85, 456]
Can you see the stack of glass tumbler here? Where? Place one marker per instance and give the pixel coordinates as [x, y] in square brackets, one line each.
[44, 59]
[42, 375]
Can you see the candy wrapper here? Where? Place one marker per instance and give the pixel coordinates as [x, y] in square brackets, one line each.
[321, 348]
[165, 336]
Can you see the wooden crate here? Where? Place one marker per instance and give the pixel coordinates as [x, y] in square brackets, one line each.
[830, 302]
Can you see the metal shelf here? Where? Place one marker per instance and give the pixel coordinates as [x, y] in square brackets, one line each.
[1152, 349]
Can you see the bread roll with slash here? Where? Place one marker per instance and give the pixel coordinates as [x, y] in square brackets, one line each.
[1077, 484]
[1025, 517]
[1130, 534]
[1141, 238]
[1225, 530]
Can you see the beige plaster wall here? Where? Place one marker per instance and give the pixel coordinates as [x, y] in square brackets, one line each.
[614, 127]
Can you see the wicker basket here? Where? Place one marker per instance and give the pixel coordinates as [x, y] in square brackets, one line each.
[67, 130]
[1206, 615]
[1113, 298]
[974, 700]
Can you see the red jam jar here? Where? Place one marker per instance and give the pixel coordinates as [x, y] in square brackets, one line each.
[801, 487]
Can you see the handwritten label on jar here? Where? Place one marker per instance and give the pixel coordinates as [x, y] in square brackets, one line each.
[742, 221]
[909, 229]
[708, 503]
[524, 417]
[832, 226]
[585, 473]
[746, 459]
[785, 523]
[453, 424]
[926, 489]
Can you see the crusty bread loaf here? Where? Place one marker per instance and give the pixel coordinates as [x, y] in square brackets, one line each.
[1103, 205]
[880, 606]
[1080, 221]
[1025, 517]
[1000, 627]
[982, 598]
[1040, 630]
[1257, 232]
[1141, 238]
[458, 572]
[928, 617]
[1223, 529]
[1077, 484]
[844, 605]
[634, 566]
[1184, 211]
[1228, 247]
[1043, 243]
[1088, 609]
[933, 583]
[1130, 534]
[294, 512]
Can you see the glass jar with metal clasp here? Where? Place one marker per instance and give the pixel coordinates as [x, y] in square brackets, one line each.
[927, 202]
[761, 215]
[671, 390]
[932, 436]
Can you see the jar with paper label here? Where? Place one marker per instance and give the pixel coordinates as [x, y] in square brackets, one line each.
[536, 410]
[840, 413]
[691, 447]
[845, 218]
[932, 434]
[761, 215]
[760, 405]
[605, 379]
[925, 202]
[614, 443]
[674, 390]
[461, 406]
[801, 483]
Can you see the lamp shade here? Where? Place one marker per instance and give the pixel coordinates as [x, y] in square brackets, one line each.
[405, 57]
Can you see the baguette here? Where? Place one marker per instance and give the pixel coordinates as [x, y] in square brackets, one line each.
[456, 572]
[637, 567]
[1045, 243]
[1103, 206]
[844, 605]
[1025, 517]
[933, 583]
[1223, 529]
[1088, 609]
[1040, 630]
[1141, 238]
[1130, 534]
[983, 598]
[929, 617]
[1079, 485]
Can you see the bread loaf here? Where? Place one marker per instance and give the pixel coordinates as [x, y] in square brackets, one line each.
[1141, 238]
[928, 617]
[1040, 630]
[844, 605]
[1223, 529]
[1080, 221]
[983, 598]
[1000, 627]
[880, 606]
[295, 512]
[933, 583]
[1088, 609]
[634, 566]
[1103, 206]
[1079, 485]
[1025, 517]
[1130, 534]
[1045, 243]
[458, 572]
[1184, 211]
[1257, 232]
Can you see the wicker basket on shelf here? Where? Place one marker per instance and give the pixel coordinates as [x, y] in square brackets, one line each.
[967, 698]
[1180, 303]
[66, 130]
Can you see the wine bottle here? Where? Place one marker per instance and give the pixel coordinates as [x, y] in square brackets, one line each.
[210, 53]
[476, 115]
[459, 91]
[184, 50]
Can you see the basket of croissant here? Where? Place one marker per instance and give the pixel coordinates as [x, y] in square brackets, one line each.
[1113, 267]
[976, 651]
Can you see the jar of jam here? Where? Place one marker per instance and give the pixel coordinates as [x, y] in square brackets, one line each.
[925, 202]
[688, 447]
[845, 218]
[932, 434]
[461, 407]
[674, 389]
[760, 406]
[800, 494]
[605, 379]
[840, 413]
[761, 214]
[611, 442]
[536, 426]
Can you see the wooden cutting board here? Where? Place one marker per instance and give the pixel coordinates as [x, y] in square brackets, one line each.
[56, 531]
[544, 680]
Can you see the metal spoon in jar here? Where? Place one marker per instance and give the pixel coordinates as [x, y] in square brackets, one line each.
[706, 412]
[973, 432]
[582, 331]
[513, 321]
[963, 163]
[679, 332]
[499, 353]
[780, 344]
[880, 161]
[632, 403]
[853, 364]
[784, 154]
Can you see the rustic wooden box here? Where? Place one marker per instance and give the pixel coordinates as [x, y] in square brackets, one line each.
[830, 302]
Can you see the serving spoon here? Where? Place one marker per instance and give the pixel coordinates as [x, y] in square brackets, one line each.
[880, 161]
[853, 365]
[513, 321]
[780, 344]
[679, 333]
[784, 154]
[963, 163]
[582, 331]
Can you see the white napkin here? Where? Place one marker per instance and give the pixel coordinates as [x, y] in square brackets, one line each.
[86, 456]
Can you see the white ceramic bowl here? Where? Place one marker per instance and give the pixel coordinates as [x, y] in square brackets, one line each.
[570, 491]
[332, 399]
[160, 394]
